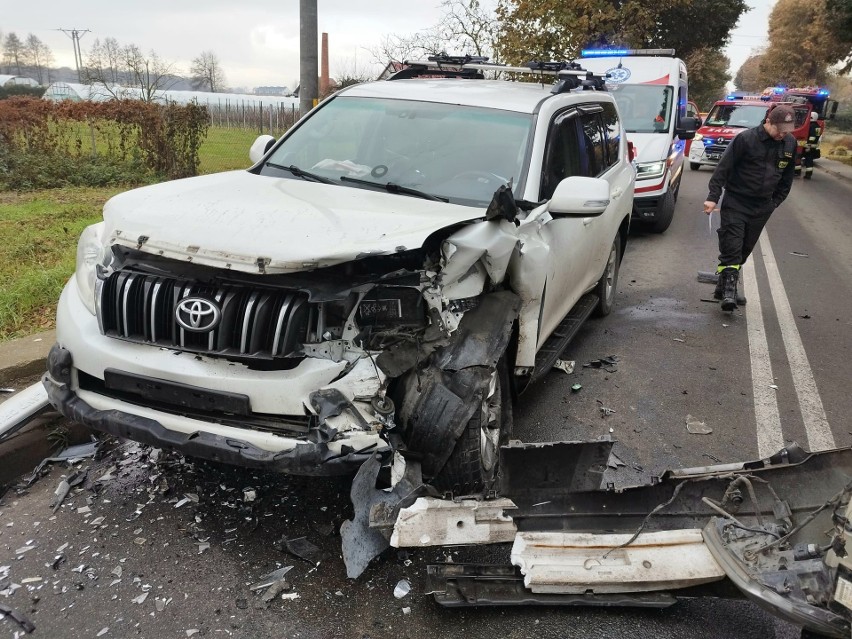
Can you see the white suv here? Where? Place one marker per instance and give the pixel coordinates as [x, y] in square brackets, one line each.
[387, 275]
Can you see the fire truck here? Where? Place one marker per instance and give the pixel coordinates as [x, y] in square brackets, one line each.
[738, 112]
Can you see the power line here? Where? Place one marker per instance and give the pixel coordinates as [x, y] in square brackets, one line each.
[75, 35]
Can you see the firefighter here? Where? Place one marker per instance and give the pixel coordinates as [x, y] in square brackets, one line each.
[756, 172]
[812, 145]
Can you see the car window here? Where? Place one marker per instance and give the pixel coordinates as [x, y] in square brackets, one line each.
[593, 143]
[612, 129]
[646, 108]
[562, 157]
[801, 116]
[459, 152]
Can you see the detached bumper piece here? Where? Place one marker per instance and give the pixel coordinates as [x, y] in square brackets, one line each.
[313, 459]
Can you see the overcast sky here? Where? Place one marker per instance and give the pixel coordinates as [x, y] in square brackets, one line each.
[257, 41]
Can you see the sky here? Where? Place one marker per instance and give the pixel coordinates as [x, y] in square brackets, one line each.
[257, 41]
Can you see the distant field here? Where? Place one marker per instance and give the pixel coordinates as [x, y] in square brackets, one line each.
[37, 255]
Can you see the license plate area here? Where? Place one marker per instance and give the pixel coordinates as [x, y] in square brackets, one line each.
[714, 156]
[159, 391]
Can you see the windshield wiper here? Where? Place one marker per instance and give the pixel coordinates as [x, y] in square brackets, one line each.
[390, 187]
[305, 175]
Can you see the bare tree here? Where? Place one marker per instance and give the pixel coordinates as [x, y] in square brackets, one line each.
[38, 58]
[13, 52]
[125, 71]
[206, 73]
[414, 46]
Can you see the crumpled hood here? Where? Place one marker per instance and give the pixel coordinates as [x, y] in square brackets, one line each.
[240, 220]
[650, 147]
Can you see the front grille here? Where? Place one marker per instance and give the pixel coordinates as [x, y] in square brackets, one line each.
[718, 146]
[254, 322]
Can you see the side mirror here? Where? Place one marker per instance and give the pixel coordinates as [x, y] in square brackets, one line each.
[259, 148]
[687, 127]
[579, 197]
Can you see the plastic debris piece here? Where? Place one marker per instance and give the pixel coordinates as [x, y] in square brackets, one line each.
[773, 386]
[271, 578]
[62, 547]
[161, 603]
[564, 365]
[191, 631]
[274, 590]
[31, 580]
[797, 254]
[57, 561]
[60, 494]
[605, 411]
[140, 599]
[249, 494]
[140, 541]
[117, 571]
[183, 502]
[678, 339]
[202, 546]
[84, 510]
[576, 388]
[697, 427]
[7, 390]
[805, 316]
[97, 521]
[402, 588]
[19, 618]
[102, 632]
[614, 461]
[406, 611]
[303, 549]
[23, 549]
[290, 595]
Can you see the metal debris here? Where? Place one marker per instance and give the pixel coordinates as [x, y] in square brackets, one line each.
[564, 365]
[697, 427]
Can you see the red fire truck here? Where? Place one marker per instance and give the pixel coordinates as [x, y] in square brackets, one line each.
[736, 113]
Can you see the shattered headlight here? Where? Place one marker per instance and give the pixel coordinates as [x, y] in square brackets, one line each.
[91, 253]
[390, 306]
[650, 170]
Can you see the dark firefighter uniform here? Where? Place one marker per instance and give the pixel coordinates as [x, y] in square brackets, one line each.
[756, 172]
[812, 146]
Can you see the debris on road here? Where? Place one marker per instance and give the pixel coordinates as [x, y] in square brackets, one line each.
[19, 618]
[402, 588]
[7, 390]
[267, 580]
[576, 388]
[696, 426]
[678, 339]
[605, 411]
[19, 410]
[609, 364]
[798, 254]
[708, 277]
[805, 316]
[303, 549]
[564, 365]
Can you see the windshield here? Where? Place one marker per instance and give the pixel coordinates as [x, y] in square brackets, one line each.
[645, 108]
[457, 152]
[743, 116]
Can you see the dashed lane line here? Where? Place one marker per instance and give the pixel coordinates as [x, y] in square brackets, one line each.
[810, 403]
[769, 436]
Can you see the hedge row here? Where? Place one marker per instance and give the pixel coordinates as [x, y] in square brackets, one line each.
[53, 144]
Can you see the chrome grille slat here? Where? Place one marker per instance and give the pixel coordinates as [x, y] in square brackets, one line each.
[255, 322]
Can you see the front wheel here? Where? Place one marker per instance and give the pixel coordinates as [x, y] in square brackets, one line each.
[694, 165]
[605, 288]
[664, 213]
[473, 465]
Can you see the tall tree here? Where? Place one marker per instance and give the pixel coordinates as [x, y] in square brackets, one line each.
[13, 52]
[469, 28]
[39, 58]
[206, 73]
[708, 76]
[748, 77]
[839, 18]
[802, 44]
[554, 29]
[139, 75]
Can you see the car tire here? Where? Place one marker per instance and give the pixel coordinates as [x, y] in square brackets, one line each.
[473, 466]
[665, 213]
[606, 286]
[694, 165]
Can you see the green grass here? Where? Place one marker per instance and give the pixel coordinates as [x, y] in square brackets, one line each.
[226, 149]
[40, 231]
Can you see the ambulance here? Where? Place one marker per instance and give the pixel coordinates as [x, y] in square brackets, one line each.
[738, 112]
[650, 88]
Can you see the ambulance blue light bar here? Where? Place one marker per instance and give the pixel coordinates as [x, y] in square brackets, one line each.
[823, 92]
[606, 53]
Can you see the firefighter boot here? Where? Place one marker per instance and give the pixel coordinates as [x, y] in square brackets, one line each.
[719, 293]
[809, 173]
[729, 278]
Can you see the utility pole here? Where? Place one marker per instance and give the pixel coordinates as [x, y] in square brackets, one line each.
[308, 58]
[75, 35]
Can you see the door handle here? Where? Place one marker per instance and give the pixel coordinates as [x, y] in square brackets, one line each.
[617, 193]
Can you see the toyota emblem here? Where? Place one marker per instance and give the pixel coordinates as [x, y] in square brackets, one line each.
[197, 315]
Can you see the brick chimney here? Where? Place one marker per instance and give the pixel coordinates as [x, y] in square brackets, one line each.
[324, 79]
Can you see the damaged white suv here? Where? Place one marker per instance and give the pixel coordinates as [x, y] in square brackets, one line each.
[387, 275]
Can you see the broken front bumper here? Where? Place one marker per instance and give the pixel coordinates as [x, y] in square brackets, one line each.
[305, 458]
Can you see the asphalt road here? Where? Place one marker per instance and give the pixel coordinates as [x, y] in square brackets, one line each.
[678, 356]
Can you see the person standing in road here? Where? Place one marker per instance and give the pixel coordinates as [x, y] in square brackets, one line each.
[812, 145]
[756, 172]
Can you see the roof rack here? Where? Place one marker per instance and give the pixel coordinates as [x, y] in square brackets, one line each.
[568, 75]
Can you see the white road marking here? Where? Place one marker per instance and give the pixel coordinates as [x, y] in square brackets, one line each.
[813, 413]
[769, 437]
